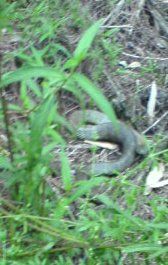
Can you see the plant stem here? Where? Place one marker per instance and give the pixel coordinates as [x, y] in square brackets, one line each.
[5, 115]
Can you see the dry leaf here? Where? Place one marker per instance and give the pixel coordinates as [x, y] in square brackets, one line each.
[152, 180]
[134, 65]
[152, 101]
[102, 144]
[161, 183]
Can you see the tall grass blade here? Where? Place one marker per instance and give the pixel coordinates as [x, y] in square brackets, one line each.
[85, 186]
[58, 139]
[38, 123]
[162, 250]
[146, 247]
[124, 213]
[26, 73]
[96, 94]
[87, 39]
[84, 44]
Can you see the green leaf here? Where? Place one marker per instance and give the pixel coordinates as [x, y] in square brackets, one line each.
[72, 63]
[4, 162]
[38, 55]
[58, 139]
[86, 40]
[146, 247]
[161, 251]
[5, 13]
[24, 96]
[39, 119]
[38, 123]
[27, 73]
[86, 186]
[32, 85]
[84, 44]
[124, 213]
[163, 226]
[96, 94]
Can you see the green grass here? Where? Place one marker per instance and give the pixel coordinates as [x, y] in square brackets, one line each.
[77, 224]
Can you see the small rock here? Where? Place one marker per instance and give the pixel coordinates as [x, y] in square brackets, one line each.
[123, 64]
[4, 31]
[134, 65]
[130, 46]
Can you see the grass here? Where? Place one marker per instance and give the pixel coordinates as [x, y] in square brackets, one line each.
[77, 224]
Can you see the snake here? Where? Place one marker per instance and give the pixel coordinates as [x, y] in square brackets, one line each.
[99, 127]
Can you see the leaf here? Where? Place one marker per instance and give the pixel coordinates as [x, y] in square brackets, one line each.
[38, 55]
[24, 96]
[142, 248]
[38, 122]
[161, 184]
[65, 171]
[158, 225]
[63, 49]
[124, 213]
[34, 87]
[96, 94]
[5, 13]
[56, 136]
[152, 180]
[26, 73]
[84, 44]
[102, 144]
[85, 186]
[39, 119]
[152, 101]
[87, 39]
[161, 251]
[4, 162]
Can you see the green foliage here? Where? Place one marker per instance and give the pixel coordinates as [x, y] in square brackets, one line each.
[96, 95]
[26, 73]
[84, 44]
[66, 172]
[77, 223]
[5, 13]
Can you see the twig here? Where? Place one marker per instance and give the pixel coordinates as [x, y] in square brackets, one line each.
[116, 26]
[156, 122]
[114, 13]
[7, 123]
[144, 57]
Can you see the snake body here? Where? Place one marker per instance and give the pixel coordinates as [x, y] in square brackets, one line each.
[131, 141]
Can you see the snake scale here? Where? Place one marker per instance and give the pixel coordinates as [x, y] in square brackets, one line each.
[103, 128]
